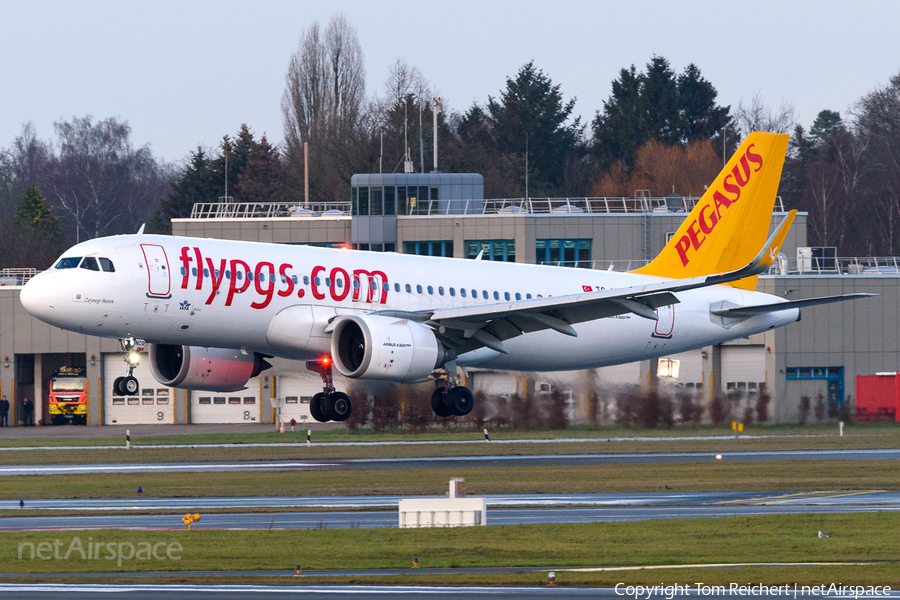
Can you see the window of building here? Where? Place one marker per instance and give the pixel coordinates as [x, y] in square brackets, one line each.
[390, 208]
[354, 195]
[565, 253]
[500, 250]
[376, 202]
[432, 248]
[363, 201]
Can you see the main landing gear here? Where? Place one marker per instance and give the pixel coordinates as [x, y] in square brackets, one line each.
[128, 385]
[328, 405]
[450, 399]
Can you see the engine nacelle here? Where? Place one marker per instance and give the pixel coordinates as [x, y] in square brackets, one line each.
[386, 348]
[198, 368]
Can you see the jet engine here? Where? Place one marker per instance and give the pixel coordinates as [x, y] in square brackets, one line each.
[198, 368]
[386, 348]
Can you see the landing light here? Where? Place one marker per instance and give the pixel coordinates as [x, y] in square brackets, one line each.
[134, 358]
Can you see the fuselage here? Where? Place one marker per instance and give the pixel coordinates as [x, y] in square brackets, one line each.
[225, 294]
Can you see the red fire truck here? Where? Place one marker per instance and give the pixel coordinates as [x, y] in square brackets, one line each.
[68, 396]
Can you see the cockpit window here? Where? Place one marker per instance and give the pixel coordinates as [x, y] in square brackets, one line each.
[107, 265]
[90, 263]
[69, 262]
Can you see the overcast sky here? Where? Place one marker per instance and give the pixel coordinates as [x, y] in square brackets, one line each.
[185, 73]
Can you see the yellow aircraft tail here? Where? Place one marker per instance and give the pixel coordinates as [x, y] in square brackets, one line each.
[729, 224]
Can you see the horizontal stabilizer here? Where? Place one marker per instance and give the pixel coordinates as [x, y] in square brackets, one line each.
[760, 309]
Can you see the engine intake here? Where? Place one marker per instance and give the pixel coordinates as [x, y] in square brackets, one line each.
[198, 368]
[386, 348]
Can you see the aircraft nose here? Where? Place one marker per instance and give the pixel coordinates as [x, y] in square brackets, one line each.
[39, 296]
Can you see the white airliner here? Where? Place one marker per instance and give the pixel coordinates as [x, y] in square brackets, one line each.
[212, 311]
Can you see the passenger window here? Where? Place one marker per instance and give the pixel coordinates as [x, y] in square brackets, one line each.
[485, 294]
[462, 292]
[293, 278]
[396, 287]
[474, 293]
[385, 286]
[317, 281]
[518, 296]
[68, 263]
[237, 274]
[249, 276]
[90, 263]
[528, 296]
[206, 272]
[328, 282]
[373, 285]
[183, 271]
[305, 280]
[506, 295]
[452, 292]
[107, 265]
[496, 295]
[272, 277]
[440, 290]
[194, 271]
[430, 290]
[408, 288]
[339, 283]
[227, 274]
[419, 288]
[216, 273]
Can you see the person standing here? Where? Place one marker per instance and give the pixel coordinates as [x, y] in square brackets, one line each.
[4, 412]
[28, 412]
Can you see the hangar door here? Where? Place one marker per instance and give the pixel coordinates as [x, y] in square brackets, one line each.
[227, 407]
[154, 402]
[743, 368]
[294, 393]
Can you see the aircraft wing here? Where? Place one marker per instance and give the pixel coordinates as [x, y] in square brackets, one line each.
[472, 327]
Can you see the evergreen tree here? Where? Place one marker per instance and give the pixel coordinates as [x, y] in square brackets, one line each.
[34, 238]
[197, 182]
[657, 106]
[262, 178]
[530, 117]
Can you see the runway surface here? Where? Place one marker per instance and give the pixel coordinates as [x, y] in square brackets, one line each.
[561, 460]
[557, 509]
[871, 497]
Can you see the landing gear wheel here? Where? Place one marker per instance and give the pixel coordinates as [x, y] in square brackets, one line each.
[439, 402]
[130, 386]
[315, 408]
[117, 387]
[341, 407]
[460, 400]
[328, 407]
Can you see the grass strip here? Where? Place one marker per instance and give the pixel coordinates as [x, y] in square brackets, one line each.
[869, 575]
[149, 454]
[714, 476]
[869, 537]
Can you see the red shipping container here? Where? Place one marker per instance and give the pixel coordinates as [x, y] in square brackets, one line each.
[877, 397]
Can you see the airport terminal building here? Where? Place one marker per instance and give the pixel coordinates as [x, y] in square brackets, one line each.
[442, 214]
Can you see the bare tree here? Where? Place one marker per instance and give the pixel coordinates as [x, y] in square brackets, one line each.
[100, 181]
[323, 105]
[757, 116]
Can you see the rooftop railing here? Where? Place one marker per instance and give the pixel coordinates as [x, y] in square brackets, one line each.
[495, 206]
[268, 210]
[14, 277]
[842, 265]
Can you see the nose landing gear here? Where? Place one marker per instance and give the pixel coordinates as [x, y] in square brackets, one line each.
[329, 404]
[128, 385]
